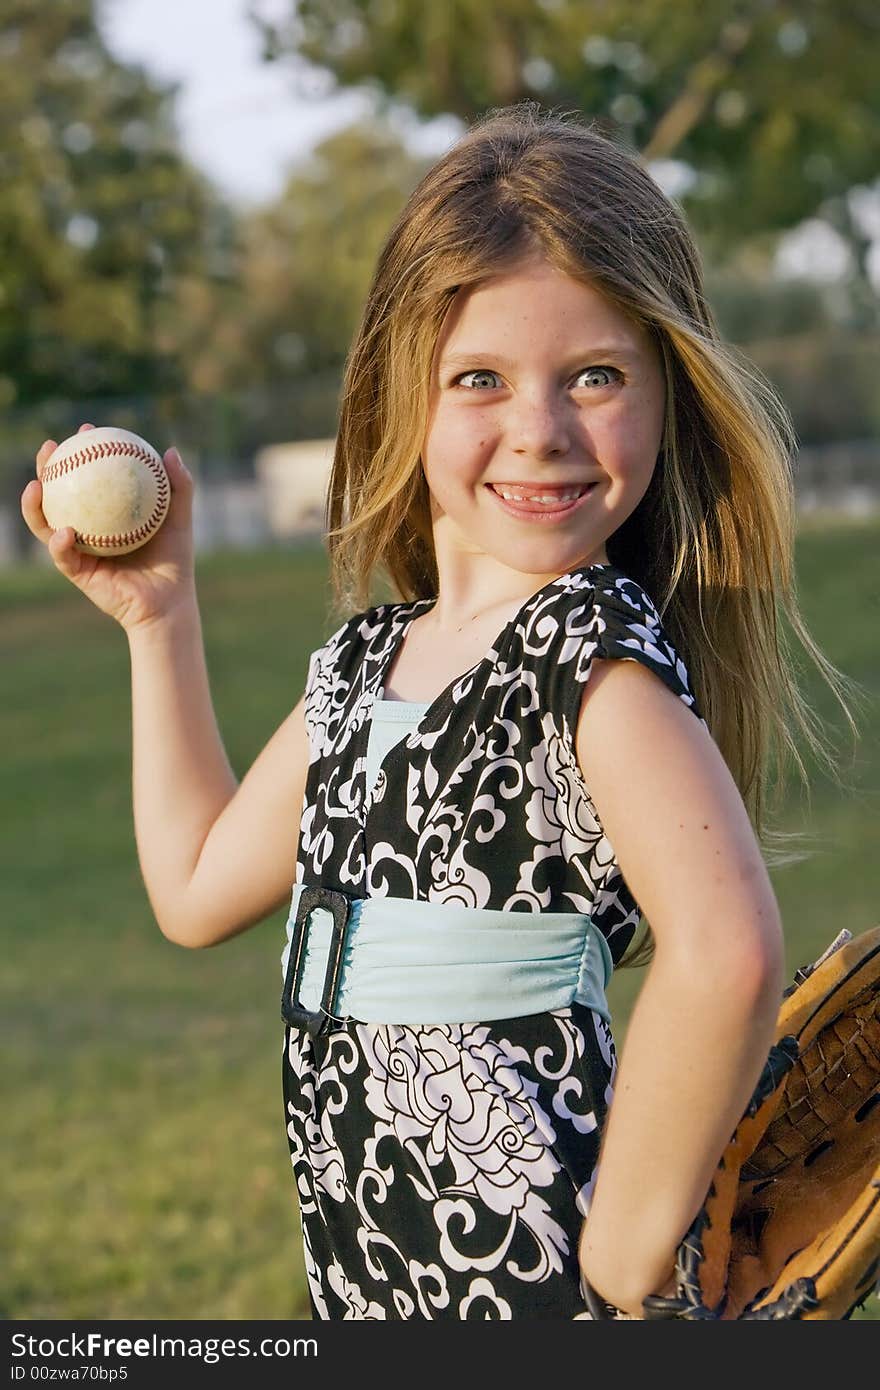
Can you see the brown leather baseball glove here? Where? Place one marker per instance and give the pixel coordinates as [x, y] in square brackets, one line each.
[791, 1224]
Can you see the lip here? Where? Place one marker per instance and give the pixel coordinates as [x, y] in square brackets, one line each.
[542, 511]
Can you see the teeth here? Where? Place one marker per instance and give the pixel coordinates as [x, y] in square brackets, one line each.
[568, 496]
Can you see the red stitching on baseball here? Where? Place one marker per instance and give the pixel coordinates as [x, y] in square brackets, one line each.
[93, 451]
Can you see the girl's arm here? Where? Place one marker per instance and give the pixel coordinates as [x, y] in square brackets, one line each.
[705, 1017]
[216, 857]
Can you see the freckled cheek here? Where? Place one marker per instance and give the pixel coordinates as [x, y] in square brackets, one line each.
[459, 447]
[460, 428]
[629, 448]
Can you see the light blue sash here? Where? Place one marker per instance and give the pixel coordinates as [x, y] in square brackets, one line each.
[422, 962]
[407, 961]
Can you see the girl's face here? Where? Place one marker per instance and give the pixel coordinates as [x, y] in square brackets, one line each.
[539, 386]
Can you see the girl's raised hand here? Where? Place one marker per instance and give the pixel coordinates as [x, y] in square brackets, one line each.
[143, 586]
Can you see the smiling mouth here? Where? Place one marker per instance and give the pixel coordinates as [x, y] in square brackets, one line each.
[547, 492]
[549, 502]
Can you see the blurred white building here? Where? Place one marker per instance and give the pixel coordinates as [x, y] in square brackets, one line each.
[293, 479]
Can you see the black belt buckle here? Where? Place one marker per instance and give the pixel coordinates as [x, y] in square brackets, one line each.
[315, 1020]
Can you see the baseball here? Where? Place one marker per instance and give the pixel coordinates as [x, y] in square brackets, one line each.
[110, 486]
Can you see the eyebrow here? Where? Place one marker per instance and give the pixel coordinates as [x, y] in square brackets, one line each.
[623, 353]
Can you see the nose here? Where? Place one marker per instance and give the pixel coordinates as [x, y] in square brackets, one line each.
[540, 425]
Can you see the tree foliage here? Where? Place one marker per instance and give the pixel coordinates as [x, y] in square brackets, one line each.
[773, 104]
[310, 256]
[99, 213]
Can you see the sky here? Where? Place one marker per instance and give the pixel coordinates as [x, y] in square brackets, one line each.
[245, 122]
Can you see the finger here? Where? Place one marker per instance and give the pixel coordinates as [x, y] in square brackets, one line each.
[45, 452]
[32, 511]
[48, 448]
[180, 478]
[176, 469]
[62, 549]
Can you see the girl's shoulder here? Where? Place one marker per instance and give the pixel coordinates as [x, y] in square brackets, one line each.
[612, 594]
[343, 668]
[366, 625]
[362, 634]
[600, 611]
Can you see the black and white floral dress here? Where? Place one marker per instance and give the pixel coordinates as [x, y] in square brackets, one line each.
[444, 1171]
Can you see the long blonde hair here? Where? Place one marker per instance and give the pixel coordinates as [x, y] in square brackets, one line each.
[712, 540]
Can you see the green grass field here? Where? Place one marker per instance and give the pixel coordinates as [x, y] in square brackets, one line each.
[147, 1168]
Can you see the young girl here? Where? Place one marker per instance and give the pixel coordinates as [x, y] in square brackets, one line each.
[584, 501]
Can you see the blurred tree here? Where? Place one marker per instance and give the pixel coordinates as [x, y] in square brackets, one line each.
[99, 216]
[305, 269]
[773, 105]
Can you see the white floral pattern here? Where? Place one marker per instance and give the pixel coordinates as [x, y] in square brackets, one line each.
[445, 1170]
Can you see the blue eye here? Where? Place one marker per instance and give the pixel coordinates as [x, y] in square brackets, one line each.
[479, 371]
[610, 372]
